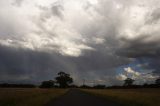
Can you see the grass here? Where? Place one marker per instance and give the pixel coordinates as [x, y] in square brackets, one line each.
[28, 96]
[129, 97]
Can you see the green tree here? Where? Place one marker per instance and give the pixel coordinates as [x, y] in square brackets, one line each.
[47, 84]
[128, 82]
[157, 81]
[63, 79]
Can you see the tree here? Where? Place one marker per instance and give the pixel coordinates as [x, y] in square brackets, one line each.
[157, 81]
[99, 86]
[47, 84]
[63, 79]
[128, 82]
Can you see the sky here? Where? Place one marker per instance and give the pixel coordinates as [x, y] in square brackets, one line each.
[101, 41]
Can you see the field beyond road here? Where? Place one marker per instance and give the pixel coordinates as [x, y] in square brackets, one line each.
[129, 97]
[79, 97]
[28, 96]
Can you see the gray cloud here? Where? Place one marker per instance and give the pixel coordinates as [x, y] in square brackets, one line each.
[57, 10]
[37, 66]
[87, 38]
[139, 48]
[18, 2]
[154, 16]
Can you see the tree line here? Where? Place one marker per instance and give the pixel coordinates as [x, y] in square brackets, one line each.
[7, 85]
[64, 80]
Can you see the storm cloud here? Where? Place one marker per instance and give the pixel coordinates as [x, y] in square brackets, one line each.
[90, 39]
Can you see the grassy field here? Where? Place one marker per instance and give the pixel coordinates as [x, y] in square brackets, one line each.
[28, 96]
[130, 97]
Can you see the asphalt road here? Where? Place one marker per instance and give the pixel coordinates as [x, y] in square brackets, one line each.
[76, 97]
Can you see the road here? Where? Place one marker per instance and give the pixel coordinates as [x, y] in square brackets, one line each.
[75, 97]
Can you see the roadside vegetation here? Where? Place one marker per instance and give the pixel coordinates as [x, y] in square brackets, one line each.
[31, 95]
[28, 96]
[129, 97]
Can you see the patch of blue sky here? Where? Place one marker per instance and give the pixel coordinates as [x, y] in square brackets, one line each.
[139, 65]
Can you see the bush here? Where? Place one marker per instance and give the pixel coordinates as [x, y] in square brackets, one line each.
[47, 84]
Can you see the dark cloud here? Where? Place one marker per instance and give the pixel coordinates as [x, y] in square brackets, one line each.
[154, 16]
[154, 64]
[24, 64]
[142, 51]
[18, 2]
[57, 10]
[88, 39]
[139, 48]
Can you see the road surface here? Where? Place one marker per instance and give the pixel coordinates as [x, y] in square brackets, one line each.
[75, 97]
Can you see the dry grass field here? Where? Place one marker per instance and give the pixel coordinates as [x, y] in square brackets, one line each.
[28, 96]
[130, 97]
